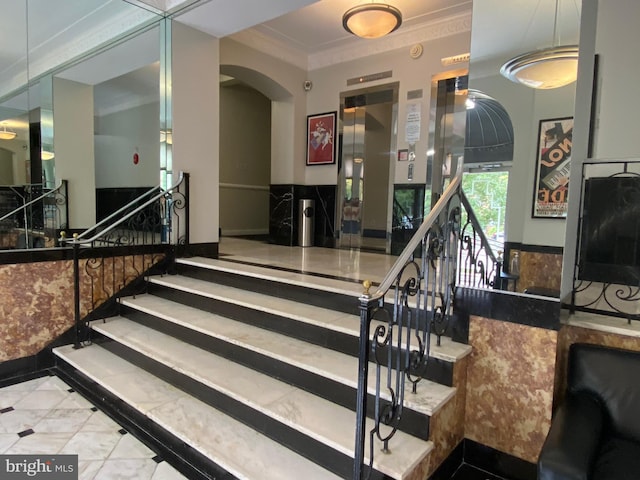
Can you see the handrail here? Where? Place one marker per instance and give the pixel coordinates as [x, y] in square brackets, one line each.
[476, 225]
[416, 240]
[80, 240]
[122, 209]
[35, 200]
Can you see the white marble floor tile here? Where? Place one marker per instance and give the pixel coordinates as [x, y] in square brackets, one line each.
[10, 398]
[87, 469]
[41, 399]
[53, 383]
[126, 469]
[92, 445]
[164, 471]
[6, 440]
[130, 447]
[18, 421]
[40, 444]
[74, 401]
[26, 386]
[99, 422]
[63, 420]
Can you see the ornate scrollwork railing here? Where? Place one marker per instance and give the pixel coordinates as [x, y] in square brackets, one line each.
[33, 215]
[109, 256]
[422, 282]
[478, 266]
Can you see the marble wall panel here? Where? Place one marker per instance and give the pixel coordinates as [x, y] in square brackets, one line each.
[538, 269]
[281, 215]
[446, 429]
[38, 300]
[510, 383]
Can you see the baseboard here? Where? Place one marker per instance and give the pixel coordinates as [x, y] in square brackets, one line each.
[485, 458]
[247, 232]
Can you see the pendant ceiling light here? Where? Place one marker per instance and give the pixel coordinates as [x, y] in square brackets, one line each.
[372, 20]
[552, 67]
[7, 134]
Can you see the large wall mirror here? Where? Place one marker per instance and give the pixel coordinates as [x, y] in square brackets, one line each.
[519, 228]
[80, 101]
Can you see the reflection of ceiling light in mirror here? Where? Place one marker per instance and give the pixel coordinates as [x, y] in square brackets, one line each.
[550, 68]
[45, 155]
[372, 20]
[166, 136]
[7, 134]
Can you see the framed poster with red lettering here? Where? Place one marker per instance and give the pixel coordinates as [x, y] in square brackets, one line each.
[321, 130]
[553, 161]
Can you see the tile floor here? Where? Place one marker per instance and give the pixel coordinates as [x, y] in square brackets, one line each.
[45, 416]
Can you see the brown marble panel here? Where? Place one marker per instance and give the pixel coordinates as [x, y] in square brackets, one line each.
[446, 428]
[570, 334]
[510, 383]
[539, 270]
[37, 298]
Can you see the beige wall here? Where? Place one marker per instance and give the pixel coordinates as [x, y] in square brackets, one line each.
[6, 167]
[195, 99]
[245, 160]
[73, 119]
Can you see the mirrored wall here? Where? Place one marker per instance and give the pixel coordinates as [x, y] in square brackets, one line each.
[83, 124]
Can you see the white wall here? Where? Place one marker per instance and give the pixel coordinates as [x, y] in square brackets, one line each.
[73, 118]
[117, 137]
[195, 99]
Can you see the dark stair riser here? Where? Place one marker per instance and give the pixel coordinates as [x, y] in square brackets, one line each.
[411, 422]
[437, 370]
[316, 451]
[183, 457]
[306, 295]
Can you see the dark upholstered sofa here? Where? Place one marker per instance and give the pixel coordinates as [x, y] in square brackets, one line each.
[595, 433]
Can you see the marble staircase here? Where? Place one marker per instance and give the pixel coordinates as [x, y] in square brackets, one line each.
[250, 372]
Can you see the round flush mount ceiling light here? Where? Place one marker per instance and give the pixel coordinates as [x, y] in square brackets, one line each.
[7, 134]
[544, 69]
[372, 20]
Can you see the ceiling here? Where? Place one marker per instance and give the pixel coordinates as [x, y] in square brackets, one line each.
[501, 29]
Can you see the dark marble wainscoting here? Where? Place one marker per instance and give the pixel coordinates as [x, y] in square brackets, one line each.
[284, 212]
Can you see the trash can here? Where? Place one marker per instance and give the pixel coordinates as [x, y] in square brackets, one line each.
[306, 217]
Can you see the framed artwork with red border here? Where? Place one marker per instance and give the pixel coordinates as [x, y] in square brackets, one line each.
[321, 130]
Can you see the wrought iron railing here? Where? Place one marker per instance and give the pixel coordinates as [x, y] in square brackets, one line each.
[478, 266]
[422, 290]
[111, 256]
[32, 217]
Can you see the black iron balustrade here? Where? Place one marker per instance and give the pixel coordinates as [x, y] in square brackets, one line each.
[478, 266]
[423, 291]
[33, 215]
[125, 246]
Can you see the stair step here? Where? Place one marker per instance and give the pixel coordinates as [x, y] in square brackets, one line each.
[237, 448]
[339, 367]
[308, 414]
[448, 351]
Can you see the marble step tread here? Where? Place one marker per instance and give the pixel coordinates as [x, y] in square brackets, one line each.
[348, 287]
[339, 367]
[448, 351]
[316, 417]
[238, 449]
[334, 285]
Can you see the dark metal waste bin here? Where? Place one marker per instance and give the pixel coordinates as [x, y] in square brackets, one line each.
[306, 217]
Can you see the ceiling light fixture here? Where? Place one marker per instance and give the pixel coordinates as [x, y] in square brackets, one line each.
[552, 67]
[372, 20]
[6, 134]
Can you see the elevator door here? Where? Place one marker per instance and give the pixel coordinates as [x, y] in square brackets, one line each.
[368, 121]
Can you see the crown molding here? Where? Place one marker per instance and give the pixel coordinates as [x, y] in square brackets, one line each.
[446, 27]
[410, 35]
[257, 40]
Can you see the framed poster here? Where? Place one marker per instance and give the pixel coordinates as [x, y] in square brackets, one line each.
[320, 135]
[553, 162]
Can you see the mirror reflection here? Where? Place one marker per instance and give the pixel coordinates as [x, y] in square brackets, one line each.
[531, 243]
[71, 86]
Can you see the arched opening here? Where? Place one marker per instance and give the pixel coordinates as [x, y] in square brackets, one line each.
[252, 124]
